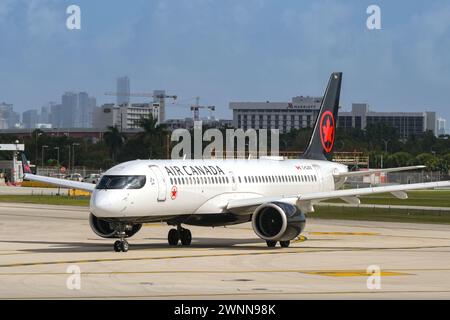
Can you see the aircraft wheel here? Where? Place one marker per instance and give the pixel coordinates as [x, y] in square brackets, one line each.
[124, 246]
[271, 244]
[186, 237]
[117, 246]
[285, 244]
[173, 237]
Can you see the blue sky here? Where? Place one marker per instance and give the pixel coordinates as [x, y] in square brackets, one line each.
[222, 51]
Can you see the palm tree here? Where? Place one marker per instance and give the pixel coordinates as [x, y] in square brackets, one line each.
[113, 140]
[153, 135]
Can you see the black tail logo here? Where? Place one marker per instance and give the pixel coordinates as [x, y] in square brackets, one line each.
[321, 144]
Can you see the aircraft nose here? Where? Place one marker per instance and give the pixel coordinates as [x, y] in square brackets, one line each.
[106, 204]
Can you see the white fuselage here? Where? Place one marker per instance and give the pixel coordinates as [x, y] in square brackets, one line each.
[184, 187]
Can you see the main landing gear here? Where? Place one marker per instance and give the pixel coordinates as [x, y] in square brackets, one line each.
[179, 234]
[283, 244]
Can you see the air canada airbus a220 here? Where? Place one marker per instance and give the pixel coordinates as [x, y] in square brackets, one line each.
[272, 192]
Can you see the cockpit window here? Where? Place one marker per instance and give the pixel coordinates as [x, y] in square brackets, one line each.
[121, 182]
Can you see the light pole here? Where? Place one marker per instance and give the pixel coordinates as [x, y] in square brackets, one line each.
[68, 165]
[42, 154]
[386, 141]
[38, 134]
[57, 148]
[73, 153]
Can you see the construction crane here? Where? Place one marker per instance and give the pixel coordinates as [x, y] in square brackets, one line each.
[155, 95]
[196, 109]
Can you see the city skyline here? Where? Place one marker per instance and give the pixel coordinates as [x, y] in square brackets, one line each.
[239, 51]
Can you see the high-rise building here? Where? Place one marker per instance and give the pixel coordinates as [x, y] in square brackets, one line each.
[56, 115]
[69, 111]
[75, 111]
[30, 118]
[123, 90]
[8, 118]
[44, 117]
[86, 106]
[441, 126]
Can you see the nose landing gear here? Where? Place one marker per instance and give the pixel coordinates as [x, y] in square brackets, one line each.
[179, 234]
[121, 244]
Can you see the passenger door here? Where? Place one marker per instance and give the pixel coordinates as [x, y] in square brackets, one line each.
[160, 181]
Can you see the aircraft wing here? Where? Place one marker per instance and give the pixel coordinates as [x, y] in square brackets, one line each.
[61, 182]
[55, 181]
[373, 171]
[349, 195]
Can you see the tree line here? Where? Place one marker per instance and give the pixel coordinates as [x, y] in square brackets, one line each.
[379, 141]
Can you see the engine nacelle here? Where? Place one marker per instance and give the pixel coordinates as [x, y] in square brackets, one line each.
[278, 221]
[105, 229]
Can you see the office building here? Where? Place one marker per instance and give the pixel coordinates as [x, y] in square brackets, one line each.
[124, 117]
[301, 112]
[406, 123]
[123, 91]
[8, 118]
[30, 118]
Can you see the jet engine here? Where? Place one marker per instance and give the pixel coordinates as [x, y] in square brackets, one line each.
[105, 229]
[278, 221]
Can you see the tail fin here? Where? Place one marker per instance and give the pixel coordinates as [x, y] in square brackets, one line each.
[321, 145]
[25, 167]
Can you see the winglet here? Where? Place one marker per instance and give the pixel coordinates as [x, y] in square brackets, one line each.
[25, 166]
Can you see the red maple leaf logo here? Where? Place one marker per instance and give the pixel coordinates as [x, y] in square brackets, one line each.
[327, 131]
[173, 192]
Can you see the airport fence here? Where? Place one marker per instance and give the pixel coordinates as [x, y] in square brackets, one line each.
[56, 172]
[396, 178]
[382, 213]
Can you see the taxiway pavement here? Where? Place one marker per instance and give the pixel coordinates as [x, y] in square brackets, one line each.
[39, 244]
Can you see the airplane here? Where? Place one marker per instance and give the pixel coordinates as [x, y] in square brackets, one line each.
[273, 193]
